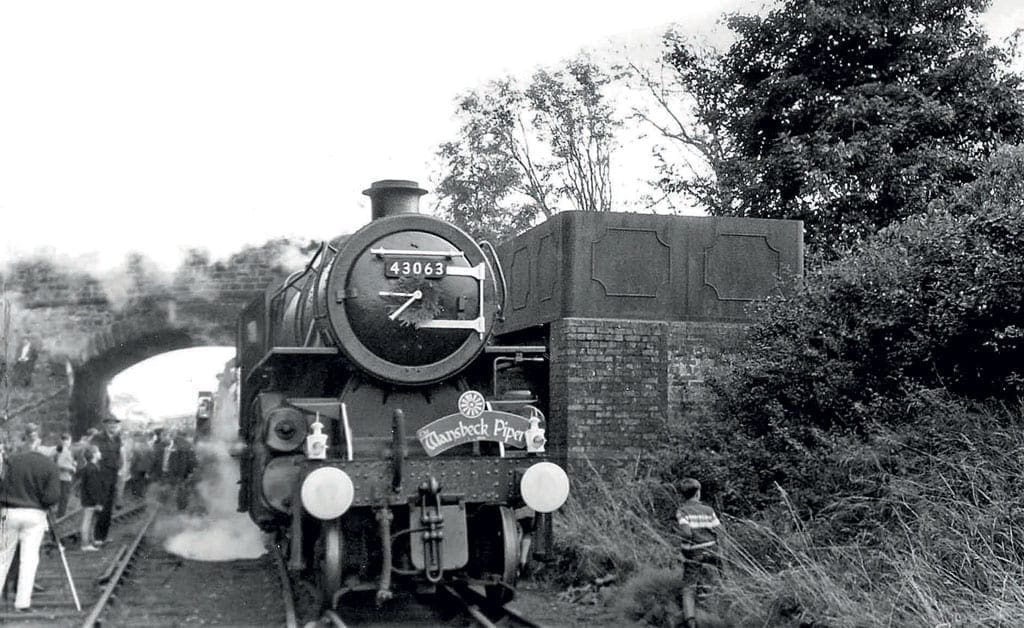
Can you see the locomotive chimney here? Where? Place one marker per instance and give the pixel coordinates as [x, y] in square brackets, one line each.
[394, 196]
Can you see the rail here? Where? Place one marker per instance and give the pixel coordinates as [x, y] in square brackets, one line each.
[114, 577]
[290, 618]
[92, 619]
[68, 525]
[485, 613]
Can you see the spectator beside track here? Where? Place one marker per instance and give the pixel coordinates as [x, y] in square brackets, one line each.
[109, 443]
[127, 447]
[92, 497]
[9, 582]
[30, 486]
[67, 467]
[161, 454]
[699, 526]
[181, 465]
[34, 442]
[140, 467]
[79, 448]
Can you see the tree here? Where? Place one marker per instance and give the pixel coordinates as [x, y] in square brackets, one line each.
[683, 108]
[934, 301]
[522, 154]
[846, 114]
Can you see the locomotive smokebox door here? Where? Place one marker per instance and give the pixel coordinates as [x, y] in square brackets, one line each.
[455, 547]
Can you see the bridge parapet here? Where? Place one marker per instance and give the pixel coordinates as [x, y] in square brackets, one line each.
[72, 330]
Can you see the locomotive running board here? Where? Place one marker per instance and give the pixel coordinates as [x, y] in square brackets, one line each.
[280, 353]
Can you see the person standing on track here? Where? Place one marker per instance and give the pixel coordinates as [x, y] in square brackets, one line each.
[66, 465]
[31, 484]
[78, 449]
[141, 464]
[92, 496]
[34, 442]
[181, 466]
[109, 443]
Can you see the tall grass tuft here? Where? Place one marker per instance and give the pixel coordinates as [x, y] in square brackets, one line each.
[937, 539]
[609, 526]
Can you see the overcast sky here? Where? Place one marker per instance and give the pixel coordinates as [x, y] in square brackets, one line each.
[159, 126]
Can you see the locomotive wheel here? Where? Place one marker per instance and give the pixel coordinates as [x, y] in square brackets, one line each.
[330, 561]
[509, 530]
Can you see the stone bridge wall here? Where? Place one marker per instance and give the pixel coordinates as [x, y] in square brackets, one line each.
[71, 331]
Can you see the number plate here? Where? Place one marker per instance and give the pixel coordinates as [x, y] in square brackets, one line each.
[414, 267]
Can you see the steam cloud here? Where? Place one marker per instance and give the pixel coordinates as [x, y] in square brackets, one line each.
[221, 533]
[45, 272]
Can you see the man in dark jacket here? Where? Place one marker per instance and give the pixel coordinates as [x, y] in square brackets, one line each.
[161, 441]
[31, 484]
[181, 465]
[109, 443]
[141, 465]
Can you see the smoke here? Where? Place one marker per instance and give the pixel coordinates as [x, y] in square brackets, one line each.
[136, 275]
[51, 293]
[219, 533]
[52, 278]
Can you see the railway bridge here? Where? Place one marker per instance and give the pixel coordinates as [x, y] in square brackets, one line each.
[631, 305]
[71, 331]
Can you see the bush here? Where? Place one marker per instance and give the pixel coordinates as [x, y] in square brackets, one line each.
[912, 526]
[920, 522]
[934, 303]
[941, 541]
[864, 442]
[653, 597]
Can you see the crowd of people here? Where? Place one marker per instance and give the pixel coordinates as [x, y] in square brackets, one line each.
[40, 481]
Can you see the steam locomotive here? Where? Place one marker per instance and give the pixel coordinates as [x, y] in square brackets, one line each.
[390, 441]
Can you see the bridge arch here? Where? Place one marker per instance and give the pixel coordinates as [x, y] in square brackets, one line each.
[121, 346]
[84, 328]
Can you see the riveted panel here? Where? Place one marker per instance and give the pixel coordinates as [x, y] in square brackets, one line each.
[476, 479]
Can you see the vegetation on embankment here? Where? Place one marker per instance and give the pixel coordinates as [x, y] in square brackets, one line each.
[914, 528]
[864, 440]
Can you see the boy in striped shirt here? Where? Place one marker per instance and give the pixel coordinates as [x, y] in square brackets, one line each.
[699, 527]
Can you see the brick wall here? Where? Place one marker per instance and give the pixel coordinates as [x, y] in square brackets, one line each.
[690, 346]
[619, 383]
[100, 324]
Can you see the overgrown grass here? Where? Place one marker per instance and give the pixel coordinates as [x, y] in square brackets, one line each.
[608, 527]
[937, 541]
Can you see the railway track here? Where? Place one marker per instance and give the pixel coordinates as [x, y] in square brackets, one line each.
[485, 613]
[133, 581]
[452, 605]
[156, 588]
[53, 605]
